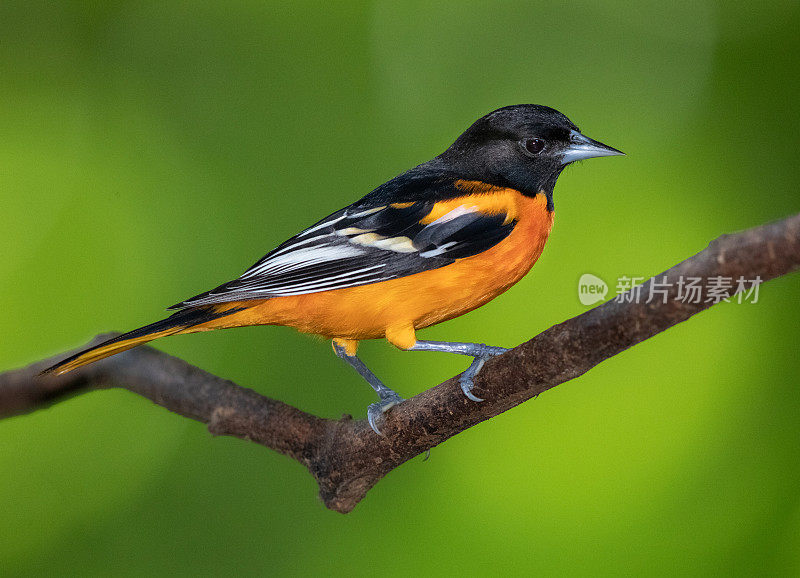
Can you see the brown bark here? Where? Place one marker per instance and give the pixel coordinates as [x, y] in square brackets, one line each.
[345, 456]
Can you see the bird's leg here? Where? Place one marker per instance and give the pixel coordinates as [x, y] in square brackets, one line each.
[480, 352]
[345, 349]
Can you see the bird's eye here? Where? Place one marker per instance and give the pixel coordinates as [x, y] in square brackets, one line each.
[533, 146]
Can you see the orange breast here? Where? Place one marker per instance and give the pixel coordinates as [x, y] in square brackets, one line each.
[423, 299]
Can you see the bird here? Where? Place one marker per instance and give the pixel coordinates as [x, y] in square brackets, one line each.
[431, 244]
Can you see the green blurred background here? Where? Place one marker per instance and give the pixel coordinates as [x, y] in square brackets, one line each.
[152, 150]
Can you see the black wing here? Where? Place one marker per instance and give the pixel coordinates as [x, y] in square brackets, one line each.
[364, 244]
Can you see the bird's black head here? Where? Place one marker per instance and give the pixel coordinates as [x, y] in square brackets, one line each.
[525, 147]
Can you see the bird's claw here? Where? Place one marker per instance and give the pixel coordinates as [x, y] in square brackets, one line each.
[376, 410]
[467, 379]
[467, 383]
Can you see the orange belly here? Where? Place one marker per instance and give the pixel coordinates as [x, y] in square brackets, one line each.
[397, 307]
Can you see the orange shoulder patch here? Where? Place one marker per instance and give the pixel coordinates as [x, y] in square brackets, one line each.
[494, 201]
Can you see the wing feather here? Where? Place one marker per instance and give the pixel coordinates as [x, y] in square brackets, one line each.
[361, 245]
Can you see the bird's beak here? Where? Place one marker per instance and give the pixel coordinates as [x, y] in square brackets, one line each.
[582, 147]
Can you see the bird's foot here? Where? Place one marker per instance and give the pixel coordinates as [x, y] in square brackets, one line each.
[376, 410]
[482, 354]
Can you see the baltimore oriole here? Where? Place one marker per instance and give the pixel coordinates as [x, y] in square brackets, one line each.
[431, 244]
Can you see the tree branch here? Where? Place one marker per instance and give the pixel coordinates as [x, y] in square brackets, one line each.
[345, 456]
